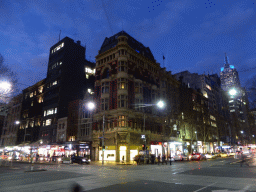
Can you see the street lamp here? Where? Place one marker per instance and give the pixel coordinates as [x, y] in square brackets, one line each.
[91, 106]
[233, 92]
[160, 104]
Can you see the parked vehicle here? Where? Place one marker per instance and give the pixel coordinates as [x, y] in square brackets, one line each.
[140, 159]
[198, 156]
[80, 160]
[180, 157]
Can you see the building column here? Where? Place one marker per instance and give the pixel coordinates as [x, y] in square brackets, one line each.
[117, 149]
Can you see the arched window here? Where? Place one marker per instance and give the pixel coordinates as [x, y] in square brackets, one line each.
[105, 74]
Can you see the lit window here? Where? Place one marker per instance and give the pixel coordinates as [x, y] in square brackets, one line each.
[208, 87]
[40, 89]
[32, 104]
[43, 123]
[55, 83]
[87, 76]
[55, 110]
[231, 101]
[49, 111]
[60, 62]
[32, 124]
[121, 121]
[212, 118]
[71, 138]
[44, 113]
[40, 99]
[31, 94]
[48, 122]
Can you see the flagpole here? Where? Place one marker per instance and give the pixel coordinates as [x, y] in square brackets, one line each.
[163, 61]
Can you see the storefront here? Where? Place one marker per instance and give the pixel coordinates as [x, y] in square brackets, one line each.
[84, 150]
[175, 148]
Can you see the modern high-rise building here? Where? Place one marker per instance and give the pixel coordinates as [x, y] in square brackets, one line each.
[229, 76]
[238, 101]
[67, 80]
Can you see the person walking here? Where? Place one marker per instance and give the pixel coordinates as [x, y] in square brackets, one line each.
[123, 159]
[243, 160]
[158, 159]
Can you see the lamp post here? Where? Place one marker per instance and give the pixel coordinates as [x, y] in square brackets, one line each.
[196, 140]
[91, 106]
[159, 104]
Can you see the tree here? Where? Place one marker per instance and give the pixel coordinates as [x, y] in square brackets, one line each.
[7, 76]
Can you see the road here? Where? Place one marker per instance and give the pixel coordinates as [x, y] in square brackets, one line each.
[219, 175]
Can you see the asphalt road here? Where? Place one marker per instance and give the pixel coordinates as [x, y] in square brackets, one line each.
[220, 175]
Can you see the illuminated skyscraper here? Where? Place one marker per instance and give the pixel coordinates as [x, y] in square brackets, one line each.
[229, 75]
[238, 100]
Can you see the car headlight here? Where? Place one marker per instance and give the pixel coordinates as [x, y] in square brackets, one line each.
[83, 159]
[59, 159]
[89, 160]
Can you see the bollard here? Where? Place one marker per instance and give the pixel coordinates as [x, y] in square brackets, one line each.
[32, 167]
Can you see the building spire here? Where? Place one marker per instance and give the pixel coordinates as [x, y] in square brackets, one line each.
[226, 59]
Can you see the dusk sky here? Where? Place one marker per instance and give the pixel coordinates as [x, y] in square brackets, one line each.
[193, 35]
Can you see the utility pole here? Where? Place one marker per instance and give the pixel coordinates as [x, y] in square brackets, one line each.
[103, 139]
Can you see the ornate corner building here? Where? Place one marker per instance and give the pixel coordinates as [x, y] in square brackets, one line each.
[128, 83]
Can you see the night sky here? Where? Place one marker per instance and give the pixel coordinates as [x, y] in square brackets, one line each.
[193, 35]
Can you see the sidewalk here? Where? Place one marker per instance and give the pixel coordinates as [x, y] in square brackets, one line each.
[98, 163]
[112, 163]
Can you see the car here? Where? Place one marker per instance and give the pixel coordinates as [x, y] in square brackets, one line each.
[223, 154]
[139, 159]
[231, 154]
[198, 156]
[209, 156]
[56, 158]
[80, 159]
[180, 157]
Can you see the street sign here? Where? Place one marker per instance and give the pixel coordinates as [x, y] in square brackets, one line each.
[143, 136]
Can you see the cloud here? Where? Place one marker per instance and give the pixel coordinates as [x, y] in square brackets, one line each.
[218, 23]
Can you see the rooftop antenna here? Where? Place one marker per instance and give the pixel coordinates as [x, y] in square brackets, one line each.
[59, 35]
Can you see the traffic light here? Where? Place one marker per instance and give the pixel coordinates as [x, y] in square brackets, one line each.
[100, 143]
[143, 147]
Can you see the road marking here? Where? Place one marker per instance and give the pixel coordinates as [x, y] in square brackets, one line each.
[204, 187]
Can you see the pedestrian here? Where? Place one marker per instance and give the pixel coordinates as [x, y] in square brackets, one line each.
[123, 159]
[153, 159]
[163, 159]
[243, 160]
[158, 159]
